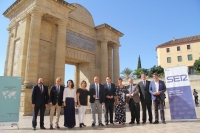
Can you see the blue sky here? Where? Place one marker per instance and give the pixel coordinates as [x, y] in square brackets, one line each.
[145, 25]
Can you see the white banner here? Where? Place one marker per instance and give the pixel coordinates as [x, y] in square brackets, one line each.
[179, 93]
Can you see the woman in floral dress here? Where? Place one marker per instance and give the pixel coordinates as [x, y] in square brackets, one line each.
[120, 109]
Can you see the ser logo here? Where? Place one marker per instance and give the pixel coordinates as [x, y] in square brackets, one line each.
[177, 78]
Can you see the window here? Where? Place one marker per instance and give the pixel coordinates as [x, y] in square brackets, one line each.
[178, 48]
[168, 59]
[188, 46]
[189, 57]
[168, 50]
[179, 58]
[191, 70]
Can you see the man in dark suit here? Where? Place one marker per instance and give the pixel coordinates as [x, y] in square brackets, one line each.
[40, 100]
[145, 97]
[109, 99]
[97, 99]
[133, 99]
[56, 101]
[157, 89]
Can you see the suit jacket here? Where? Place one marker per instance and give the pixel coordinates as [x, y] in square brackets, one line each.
[145, 95]
[162, 89]
[111, 92]
[54, 97]
[38, 98]
[135, 93]
[92, 91]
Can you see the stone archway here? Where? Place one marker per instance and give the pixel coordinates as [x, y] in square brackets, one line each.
[44, 35]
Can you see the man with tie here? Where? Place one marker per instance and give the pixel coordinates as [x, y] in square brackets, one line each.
[40, 99]
[110, 91]
[157, 89]
[56, 101]
[133, 99]
[145, 97]
[97, 99]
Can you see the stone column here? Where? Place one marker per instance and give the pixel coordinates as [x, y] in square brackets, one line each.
[33, 49]
[7, 54]
[77, 76]
[60, 50]
[104, 61]
[110, 62]
[116, 64]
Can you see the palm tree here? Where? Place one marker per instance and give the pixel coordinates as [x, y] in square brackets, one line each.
[126, 73]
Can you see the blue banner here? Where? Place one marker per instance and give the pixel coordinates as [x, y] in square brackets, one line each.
[10, 91]
[179, 93]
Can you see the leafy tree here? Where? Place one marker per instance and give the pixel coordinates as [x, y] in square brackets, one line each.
[156, 69]
[139, 63]
[126, 73]
[139, 71]
[197, 66]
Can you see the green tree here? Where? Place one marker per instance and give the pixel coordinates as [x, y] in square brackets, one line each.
[197, 66]
[126, 73]
[156, 69]
[139, 63]
[139, 71]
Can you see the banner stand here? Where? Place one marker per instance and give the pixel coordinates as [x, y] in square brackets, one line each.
[181, 101]
[14, 124]
[10, 93]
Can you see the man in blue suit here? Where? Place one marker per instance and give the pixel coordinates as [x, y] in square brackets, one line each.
[157, 89]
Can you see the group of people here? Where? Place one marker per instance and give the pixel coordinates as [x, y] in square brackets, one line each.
[113, 97]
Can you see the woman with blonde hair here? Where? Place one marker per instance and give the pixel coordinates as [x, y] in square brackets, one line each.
[82, 101]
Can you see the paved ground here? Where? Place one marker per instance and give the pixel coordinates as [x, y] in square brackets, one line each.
[170, 127]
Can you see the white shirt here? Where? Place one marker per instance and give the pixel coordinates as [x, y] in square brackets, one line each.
[157, 86]
[69, 93]
[130, 90]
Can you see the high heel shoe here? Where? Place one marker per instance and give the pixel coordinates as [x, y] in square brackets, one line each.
[83, 124]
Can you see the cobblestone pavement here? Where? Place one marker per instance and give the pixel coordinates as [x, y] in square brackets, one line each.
[170, 127]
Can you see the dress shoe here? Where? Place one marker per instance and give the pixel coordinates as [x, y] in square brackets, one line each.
[57, 126]
[33, 128]
[138, 122]
[80, 125]
[100, 124]
[163, 122]
[144, 122]
[51, 127]
[42, 127]
[112, 123]
[155, 122]
[131, 122]
[106, 123]
[83, 124]
[93, 124]
[150, 122]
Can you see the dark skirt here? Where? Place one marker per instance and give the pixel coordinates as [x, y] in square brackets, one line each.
[69, 113]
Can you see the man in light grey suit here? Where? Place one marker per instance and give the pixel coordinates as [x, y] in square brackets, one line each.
[157, 89]
[133, 99]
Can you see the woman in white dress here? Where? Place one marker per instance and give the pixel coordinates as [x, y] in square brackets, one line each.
[69, 100]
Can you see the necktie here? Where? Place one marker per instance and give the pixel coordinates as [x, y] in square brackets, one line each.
[58, 89]
[97, 92]
[41, 88]
[131, 90]
[108, 86]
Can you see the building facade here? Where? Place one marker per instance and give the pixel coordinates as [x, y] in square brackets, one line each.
[178, 52]
[44, 35]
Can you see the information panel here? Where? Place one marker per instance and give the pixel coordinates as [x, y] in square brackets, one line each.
[180, 94]
[10, 91]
